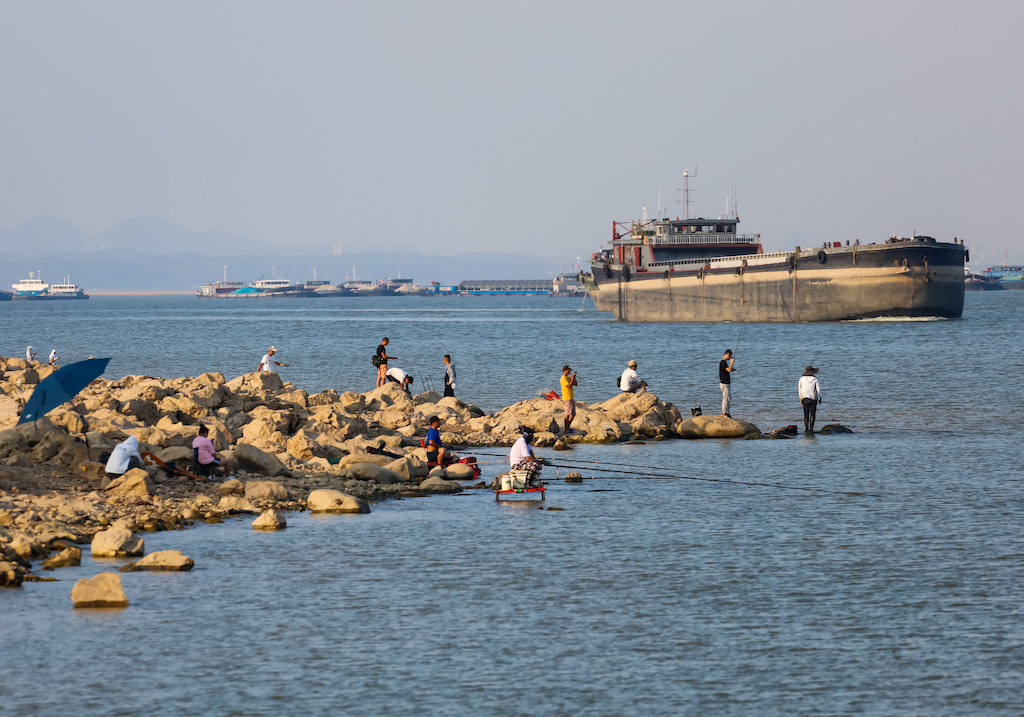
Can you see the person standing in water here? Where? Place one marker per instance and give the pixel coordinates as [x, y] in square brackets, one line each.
[810, 397]
[725, 369]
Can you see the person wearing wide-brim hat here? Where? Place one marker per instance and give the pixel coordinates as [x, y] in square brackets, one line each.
[630, 381]
[810, 396]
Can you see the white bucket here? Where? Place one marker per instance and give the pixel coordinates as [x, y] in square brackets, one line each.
[506, 482]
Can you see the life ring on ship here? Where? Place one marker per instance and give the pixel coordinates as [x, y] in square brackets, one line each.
[822, 257]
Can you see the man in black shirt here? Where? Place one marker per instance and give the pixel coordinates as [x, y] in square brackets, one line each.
[725, 370]
[381, 359]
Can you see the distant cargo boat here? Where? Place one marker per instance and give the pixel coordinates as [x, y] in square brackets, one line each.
[679, 270]
[34, 289]
[979, 282]
[1008, 277]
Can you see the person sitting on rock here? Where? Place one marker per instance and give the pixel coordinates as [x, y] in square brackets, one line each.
[204, 455]
[630, 382]
[437, 454]
[522, 458]
[124, 457]
[397, 375]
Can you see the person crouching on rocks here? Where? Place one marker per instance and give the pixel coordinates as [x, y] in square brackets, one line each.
[522, 457]
[124, 457]
[630, 382]
[397, 375]
[204, 455]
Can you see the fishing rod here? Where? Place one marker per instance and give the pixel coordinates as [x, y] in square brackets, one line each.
[582, 465]
[665, 476]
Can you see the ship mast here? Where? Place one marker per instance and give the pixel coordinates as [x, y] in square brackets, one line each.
[685, 189]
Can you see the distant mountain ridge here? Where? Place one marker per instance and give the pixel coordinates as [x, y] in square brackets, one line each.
[147, 254]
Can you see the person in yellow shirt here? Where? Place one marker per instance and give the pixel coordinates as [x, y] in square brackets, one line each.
[568, 381]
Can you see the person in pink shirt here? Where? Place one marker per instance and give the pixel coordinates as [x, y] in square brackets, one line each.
[204, 455]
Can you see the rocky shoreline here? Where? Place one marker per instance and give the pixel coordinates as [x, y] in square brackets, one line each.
[292, 451]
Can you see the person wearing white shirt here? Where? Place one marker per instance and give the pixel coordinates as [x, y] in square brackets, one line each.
[29, 354]
[521, 457]
[397, 375]
[810, 397]
[267, 360]
[54, 358]
[630, 381]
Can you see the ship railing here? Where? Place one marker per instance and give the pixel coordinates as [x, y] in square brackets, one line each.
[731, 262]
[700, 239]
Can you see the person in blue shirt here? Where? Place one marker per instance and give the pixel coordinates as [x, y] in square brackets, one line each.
[436, 452]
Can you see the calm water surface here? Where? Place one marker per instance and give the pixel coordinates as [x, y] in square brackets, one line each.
[641, 596]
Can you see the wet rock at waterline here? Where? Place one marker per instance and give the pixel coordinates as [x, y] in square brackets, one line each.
[326, 500]
[103, 590]
[716, 427]
[161, 561]
[117, 542]
[270, 519]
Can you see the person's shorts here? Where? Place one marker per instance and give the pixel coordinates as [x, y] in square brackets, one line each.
[570, 407]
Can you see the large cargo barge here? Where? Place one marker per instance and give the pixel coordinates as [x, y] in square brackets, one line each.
[679, 270]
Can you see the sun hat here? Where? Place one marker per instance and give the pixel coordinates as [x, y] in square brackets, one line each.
[632, 364]
[566, 368]
[810, 371]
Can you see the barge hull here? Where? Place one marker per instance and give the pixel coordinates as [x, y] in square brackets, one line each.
[835, 284]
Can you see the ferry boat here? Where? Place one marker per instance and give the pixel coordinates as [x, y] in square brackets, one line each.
[697, 269]
[67, 290]
[218, 288]
[1008, 277]
[30, 288]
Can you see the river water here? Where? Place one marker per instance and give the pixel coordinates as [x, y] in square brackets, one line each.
[639, 596]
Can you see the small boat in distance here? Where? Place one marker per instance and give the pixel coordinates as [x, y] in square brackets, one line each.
[67, 290]
[30, 288]
[1008, 277]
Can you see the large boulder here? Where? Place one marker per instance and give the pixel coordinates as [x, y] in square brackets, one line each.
[325, 500]
[265, 490]
[11, 574]
[371, 471]
[437, 484]
[458, 471]
[103, 590]
[253, 459]
[135, 482]
[715, 427]
[270, 519]
[236, 504]
[162, 560]
[362, 457]
[117, 542]
[410, 468]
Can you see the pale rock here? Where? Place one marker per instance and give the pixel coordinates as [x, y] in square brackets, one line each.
[161, 561]
[371, 471]
[103, 590]
[716, 427]
[68, 557]
[232, 486]
[269, 519]
[11, 574]
[176, 454]
[437, 484]
[135, 482]
[23, 546]
[409, 468]
[427, 397]
[253, 459]
[325, 500]
[265, 490]
[117, 542]
[236, 504]
[360, 457]
[458, 471]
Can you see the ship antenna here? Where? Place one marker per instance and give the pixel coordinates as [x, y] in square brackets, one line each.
[659, 202]
[225, 272]
[685, 201]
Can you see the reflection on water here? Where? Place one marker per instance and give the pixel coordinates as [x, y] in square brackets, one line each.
[642, 595]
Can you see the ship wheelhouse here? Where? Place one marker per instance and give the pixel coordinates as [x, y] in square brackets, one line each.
[659, 244]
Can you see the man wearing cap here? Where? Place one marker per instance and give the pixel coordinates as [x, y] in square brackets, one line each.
[810, 397]
[568, 396]
[630, 382]
[266, 361]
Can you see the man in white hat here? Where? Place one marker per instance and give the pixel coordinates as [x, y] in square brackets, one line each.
[266, 361]
[630, 381]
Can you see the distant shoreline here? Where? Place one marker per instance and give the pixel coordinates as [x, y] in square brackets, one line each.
[140, 293]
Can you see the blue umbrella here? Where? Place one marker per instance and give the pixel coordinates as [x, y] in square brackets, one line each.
[60, 387]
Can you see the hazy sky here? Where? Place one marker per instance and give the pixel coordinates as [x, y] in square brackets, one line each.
[524, 126]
